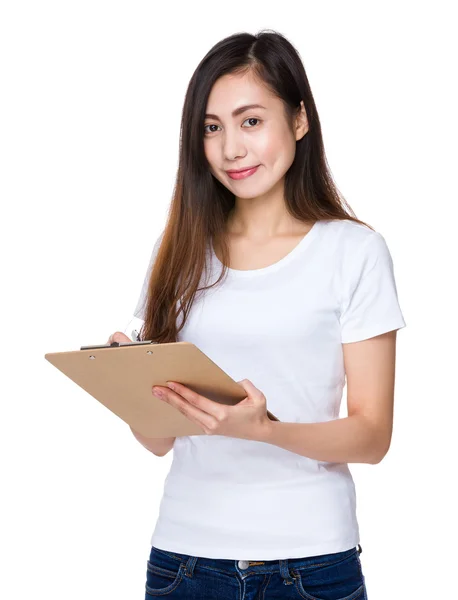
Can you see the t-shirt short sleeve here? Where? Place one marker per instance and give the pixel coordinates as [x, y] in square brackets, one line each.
[139, 310]
[370, 303]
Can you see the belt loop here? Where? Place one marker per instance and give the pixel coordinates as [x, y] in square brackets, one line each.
[190, 564]
[284, 572]
[360, 548]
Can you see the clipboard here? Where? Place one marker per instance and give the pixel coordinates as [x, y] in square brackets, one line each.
[121, 377]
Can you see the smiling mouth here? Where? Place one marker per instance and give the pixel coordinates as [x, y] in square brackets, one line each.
[242, 174]
[241, 170]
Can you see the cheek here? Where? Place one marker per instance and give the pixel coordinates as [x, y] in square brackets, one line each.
[274, 142]
[213, 166]
[210, 150]
[276, 153]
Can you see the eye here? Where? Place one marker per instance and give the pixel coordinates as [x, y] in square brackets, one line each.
[211, 125]
[249, 119]
[252, 119]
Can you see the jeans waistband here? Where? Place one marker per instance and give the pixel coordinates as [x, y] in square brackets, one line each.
[245, 567]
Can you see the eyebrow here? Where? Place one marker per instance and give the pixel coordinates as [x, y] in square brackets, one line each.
[237, 111]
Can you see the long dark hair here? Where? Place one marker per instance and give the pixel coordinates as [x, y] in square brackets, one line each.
[200, 203]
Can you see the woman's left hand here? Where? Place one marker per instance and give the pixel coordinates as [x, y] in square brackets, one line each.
[247, 419]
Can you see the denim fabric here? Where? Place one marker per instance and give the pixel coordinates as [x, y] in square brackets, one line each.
[336, 576]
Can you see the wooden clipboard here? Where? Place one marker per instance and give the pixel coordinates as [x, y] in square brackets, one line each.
[121, 377]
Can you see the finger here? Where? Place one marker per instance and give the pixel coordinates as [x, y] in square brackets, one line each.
[201, 418]
[251, 389]
[119, 337]
[203, 404]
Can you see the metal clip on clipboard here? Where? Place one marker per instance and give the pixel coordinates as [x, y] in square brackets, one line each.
[117, 344]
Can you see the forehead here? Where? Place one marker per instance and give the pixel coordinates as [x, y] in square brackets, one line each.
[230, 91]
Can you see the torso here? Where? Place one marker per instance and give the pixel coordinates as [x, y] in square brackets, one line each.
[247, 255]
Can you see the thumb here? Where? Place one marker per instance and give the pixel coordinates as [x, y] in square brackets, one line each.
[118, 336]
[249, 388]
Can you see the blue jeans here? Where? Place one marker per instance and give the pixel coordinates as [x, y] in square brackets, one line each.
[336, 576]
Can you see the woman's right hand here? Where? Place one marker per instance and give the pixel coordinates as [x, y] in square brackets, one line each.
[119, 337]
[158, 446]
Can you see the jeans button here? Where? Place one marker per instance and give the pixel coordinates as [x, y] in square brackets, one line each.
[243, 564]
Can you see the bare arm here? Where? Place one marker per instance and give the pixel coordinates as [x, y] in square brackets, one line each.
[158, 446]
[365, 435]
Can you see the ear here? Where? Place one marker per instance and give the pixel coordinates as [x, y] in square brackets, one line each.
[301, 125]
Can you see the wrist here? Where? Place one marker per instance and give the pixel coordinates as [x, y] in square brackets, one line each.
[264, 432]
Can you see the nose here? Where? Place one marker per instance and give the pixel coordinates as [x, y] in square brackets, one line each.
[233, 146]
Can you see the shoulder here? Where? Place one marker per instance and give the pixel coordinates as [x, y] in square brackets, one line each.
[355, 248]
[352, 240]
[348, 232]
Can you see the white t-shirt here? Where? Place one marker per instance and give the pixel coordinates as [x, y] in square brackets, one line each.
[282, 327]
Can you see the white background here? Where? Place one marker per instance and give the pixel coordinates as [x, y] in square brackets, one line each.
[91, 99]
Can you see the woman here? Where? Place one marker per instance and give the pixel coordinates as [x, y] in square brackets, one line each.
[301, 295]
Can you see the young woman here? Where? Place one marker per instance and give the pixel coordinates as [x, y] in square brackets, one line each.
[262, 266]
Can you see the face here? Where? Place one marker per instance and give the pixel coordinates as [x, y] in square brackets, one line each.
[256, 136]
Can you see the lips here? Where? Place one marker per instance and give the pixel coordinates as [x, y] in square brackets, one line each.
[242, 174]
[241, 170]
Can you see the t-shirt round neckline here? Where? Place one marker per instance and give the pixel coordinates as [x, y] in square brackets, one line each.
[305, 241]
